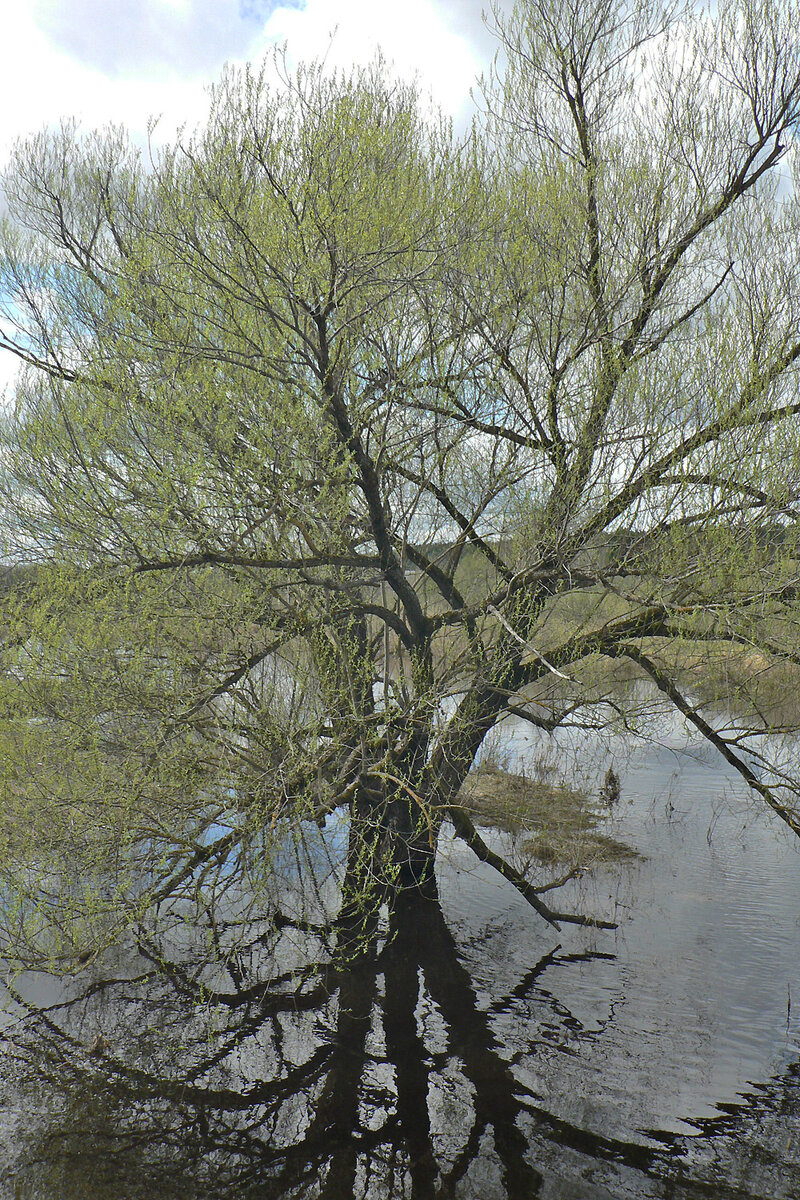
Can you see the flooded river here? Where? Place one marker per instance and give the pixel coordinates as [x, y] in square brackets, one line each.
[471, 1053]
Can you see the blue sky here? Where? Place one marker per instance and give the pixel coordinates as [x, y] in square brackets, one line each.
[128, 60]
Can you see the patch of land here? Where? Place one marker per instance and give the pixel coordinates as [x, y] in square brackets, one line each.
[558, 824]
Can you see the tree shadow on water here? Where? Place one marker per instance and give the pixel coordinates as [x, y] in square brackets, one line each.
[259, 1072]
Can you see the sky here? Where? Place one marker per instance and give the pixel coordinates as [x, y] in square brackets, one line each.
[128, 60]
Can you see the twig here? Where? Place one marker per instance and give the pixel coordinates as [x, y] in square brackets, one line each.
[532, 649]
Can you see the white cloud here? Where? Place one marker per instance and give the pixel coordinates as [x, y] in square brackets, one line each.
[160, 65]
[415, 37]
[40, 84]
[150, 37]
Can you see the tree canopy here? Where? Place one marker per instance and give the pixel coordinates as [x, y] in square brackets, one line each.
[340, 438]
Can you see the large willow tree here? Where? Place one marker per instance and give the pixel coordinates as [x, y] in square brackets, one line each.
[337, 440]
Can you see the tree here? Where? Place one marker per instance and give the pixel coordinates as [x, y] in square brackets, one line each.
[339, 440]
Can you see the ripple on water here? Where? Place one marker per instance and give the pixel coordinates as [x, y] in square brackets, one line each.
[697, 1002]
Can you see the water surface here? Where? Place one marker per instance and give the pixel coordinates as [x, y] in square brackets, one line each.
[471, 1052]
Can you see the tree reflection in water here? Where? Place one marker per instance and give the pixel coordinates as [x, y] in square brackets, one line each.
[268, 1066]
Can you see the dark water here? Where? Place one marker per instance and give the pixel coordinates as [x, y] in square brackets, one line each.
[471, 1052]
